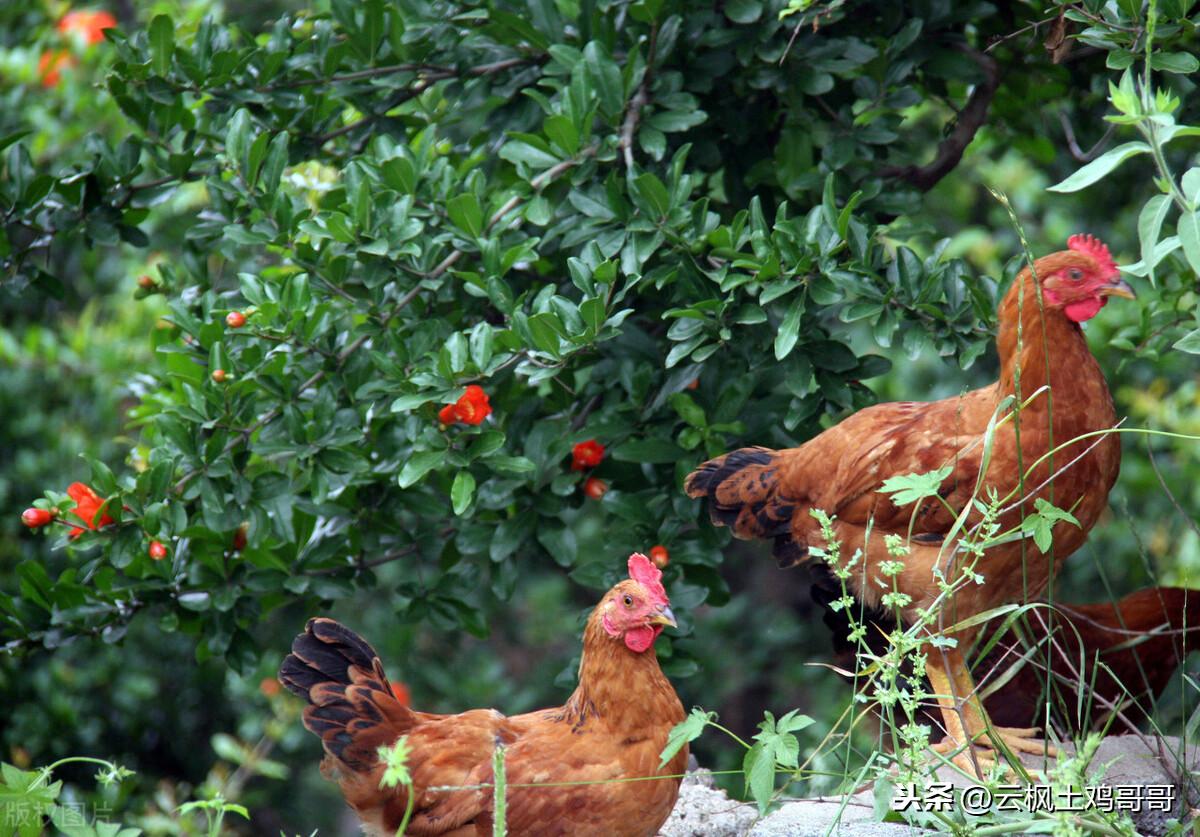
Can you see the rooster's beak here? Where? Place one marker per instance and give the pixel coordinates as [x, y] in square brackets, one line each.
[663, 617]
[1118, 288]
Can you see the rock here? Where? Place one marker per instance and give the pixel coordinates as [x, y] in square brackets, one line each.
[814, 817]
[704, 811]
[1125, 760]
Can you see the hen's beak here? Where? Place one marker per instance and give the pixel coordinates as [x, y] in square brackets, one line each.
[1118, 288]
[663, 617]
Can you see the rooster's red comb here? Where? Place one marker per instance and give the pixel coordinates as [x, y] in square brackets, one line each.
[643, 571]
[1089, 245]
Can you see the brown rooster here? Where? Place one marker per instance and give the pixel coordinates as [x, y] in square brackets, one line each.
[563, 765]
[1046, 367]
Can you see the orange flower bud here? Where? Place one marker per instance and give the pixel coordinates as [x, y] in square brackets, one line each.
[595, 488]
[36, 518]
[660, 556]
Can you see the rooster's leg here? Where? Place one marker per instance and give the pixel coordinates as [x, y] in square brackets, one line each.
[969, 733]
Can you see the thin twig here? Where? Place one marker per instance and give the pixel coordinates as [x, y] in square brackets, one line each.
[429, 76]
[1170, 494]
[1076, 152]
[592, 404]
[641, 98]
[1034, 26]
[970, 119]
[374, 72]
[387, 557]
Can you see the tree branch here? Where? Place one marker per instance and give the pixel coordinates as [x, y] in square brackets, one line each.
[970, 119]
[641, 98]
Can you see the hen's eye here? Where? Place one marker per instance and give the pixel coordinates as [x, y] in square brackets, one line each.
[1075, 274]
[628, 600]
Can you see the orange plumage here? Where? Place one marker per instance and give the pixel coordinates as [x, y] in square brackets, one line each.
[1046, 364]
[613, 727]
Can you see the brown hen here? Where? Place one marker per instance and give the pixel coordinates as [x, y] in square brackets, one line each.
[564, 765]
[1046, 366]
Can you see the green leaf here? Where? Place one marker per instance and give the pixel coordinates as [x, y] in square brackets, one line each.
[419, 465]
[1183, 63]
[759, 769]
[466, 214]
[689, 410]
[909, 488]
[276, 162]
[519, 151]
[562, 133]
[1189, 343]
[1189, 237]
[1190, 182]
[511, 464]
[1150, 222]
[1100, 167]
[481, 344]
[162, 44]
[237, 139]
[404, 403]
[685, 732]
[743, 11]
[605, 78]
[462, 491]
[789, 329]
[1041, 523]
[653, 194]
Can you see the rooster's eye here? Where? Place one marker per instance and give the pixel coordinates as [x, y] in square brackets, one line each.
[628, 600]
[1075, 274]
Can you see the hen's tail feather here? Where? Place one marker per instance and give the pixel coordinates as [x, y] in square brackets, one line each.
[351, 705]
[743, 493]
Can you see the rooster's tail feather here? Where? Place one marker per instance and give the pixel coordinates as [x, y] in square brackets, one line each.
[743, 492]
[351, 705]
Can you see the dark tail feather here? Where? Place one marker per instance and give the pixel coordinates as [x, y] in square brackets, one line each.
[351, 705]
[743, 493]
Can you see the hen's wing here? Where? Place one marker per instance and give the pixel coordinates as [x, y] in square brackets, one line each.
[594, 785]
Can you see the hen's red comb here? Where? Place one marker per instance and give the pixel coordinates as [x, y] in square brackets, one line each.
[1091, 246]
[643, 571]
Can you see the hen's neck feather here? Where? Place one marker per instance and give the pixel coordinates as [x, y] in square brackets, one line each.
[1049, 342]
[619, 684]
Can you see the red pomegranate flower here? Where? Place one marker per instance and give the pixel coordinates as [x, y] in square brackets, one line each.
[51, 65]
[88, 25]
[400, 692]
[87, 503]
[472, 407]
[586, 455]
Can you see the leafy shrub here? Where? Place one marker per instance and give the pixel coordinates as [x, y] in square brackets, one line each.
[672, 228]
